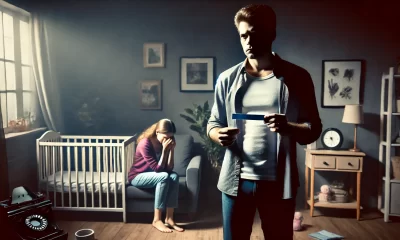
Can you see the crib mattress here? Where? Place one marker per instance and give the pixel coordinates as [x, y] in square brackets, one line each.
[81, 185]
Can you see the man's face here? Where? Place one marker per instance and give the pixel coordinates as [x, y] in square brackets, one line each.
[256, 42]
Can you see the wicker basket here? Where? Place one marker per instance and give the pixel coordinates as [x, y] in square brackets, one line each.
[396, 167]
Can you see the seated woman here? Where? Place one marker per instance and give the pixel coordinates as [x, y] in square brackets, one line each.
[154, 161]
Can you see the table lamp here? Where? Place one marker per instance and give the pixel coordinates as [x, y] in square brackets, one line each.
[353, 114]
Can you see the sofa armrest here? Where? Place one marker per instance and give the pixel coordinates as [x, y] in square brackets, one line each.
[193, 179]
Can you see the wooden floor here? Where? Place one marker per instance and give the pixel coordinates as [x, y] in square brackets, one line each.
[208, 226]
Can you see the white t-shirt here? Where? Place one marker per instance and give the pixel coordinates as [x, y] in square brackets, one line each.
[263, 96]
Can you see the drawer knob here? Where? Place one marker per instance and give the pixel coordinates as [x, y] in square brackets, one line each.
[350, 164]
[325, 163]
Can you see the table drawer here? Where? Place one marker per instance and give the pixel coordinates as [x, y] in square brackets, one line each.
[324, 162]
[348, 163]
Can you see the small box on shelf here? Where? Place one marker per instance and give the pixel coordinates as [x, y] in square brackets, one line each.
[395, 201]
[396, 167]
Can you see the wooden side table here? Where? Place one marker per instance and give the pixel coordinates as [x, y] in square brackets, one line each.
[337, 161]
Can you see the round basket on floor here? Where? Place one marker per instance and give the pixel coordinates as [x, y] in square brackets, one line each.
[396, 167]
[84, 234]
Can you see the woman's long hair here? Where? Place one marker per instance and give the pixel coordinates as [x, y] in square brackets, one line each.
[164, 126]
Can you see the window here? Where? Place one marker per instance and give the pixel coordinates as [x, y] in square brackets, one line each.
[16, 76]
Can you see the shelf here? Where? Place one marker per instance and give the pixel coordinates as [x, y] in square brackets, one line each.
[392, 144]
[392, 180]
[387, 76]
[348, 205]
[387, 93]
[390, 214]
[393, 113]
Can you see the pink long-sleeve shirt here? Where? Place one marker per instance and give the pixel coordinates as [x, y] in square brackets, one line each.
[145, 159]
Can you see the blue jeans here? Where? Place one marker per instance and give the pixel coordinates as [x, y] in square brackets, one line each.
[276, 214]
[166, 184]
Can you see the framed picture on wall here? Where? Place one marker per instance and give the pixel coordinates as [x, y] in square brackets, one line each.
[150, 95]
[341, 81]
[153, 55]
[197, 74]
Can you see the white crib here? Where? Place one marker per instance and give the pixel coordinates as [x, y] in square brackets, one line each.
[85, 173]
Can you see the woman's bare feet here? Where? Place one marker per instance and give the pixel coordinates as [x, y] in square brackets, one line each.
[161, 227]
[171, 223]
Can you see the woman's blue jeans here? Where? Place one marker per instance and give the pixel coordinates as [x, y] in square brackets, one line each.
[276, 214]
[166, 184]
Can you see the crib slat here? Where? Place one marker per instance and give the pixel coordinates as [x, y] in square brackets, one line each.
[47, 170]
[119, 157]
[84, 175]
[99, 172]
[62, 176]
[111, 157]
[69, 175]
[53, 151]
[76, 173]
[123, 156]
[116, 157]
[104, 159]
[91, 172]
[108, 178]
[57, 157]
[115, 178]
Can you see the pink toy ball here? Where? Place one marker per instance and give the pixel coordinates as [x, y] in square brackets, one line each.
[297, 221]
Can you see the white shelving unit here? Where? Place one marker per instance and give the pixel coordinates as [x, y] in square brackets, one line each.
[391, 186]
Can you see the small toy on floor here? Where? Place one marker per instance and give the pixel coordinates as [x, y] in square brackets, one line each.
[297, 221]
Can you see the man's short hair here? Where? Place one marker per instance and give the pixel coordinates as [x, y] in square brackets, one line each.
[257, 14]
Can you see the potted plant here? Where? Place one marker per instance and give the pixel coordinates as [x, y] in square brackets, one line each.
[198, 117]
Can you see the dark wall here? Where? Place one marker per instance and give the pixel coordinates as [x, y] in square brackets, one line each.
[97, 50]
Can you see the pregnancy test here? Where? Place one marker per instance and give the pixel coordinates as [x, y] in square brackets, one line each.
[242, 116]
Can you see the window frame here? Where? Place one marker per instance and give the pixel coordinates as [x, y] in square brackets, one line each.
[17, 15]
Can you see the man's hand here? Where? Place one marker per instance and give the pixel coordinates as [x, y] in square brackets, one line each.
[227, 136]
[277, 123]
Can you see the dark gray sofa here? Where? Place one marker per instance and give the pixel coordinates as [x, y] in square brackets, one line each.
[188, 166]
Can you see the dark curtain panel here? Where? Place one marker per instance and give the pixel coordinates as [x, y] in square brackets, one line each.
[3, 163]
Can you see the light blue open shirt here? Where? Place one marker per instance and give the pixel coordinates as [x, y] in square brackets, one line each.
[300, 107]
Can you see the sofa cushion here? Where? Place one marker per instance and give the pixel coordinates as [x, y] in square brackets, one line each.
[148, 193]
[183, 153]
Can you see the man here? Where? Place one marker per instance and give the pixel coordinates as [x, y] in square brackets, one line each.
[259, 170]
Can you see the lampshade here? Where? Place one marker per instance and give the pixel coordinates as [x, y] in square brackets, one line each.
[353, 114]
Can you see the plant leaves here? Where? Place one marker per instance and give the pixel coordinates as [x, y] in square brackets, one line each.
[187, 118]
[197, 129]
[189, 111]
[199, 112]
[204, 124]
[205, 107]
[198, 123]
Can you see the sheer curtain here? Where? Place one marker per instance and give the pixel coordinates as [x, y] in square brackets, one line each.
[46, 83]
[4, 193]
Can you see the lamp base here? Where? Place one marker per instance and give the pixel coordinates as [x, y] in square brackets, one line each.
[354, 150]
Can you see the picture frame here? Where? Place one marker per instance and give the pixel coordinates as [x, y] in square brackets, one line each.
[341, 82]
[154, 55]
[150, 95]
[197, 74]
